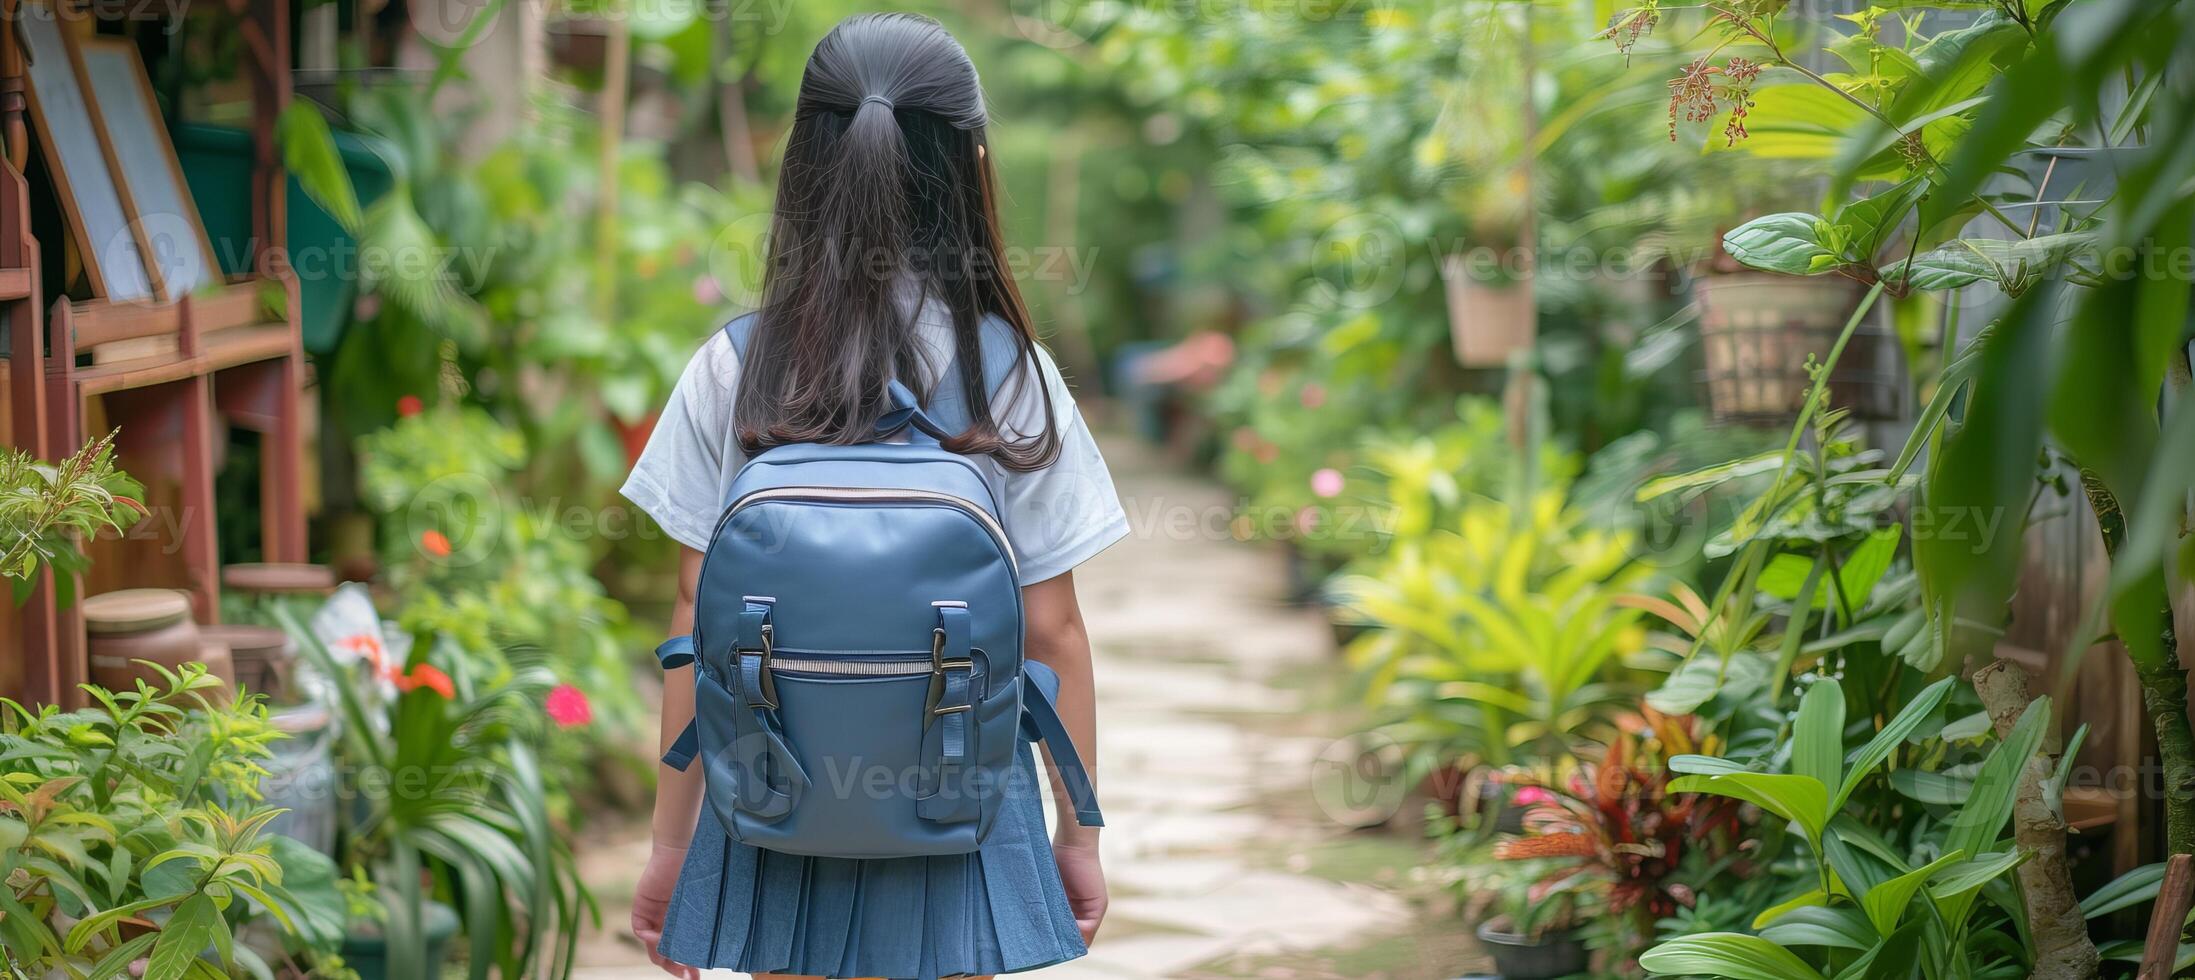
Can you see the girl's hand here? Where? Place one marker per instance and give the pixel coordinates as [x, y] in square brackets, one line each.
[651, 898]
[1085, 881]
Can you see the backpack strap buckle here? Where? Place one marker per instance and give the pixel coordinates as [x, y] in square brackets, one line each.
[758, 638]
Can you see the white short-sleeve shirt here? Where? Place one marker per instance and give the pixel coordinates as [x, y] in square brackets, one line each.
[1056, 518]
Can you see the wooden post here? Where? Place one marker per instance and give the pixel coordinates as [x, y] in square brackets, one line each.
[2161, 950]
[616, 72]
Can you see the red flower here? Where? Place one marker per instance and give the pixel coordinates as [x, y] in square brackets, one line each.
[435, 543]
[568, 707]
[409, 405]
[430, 677]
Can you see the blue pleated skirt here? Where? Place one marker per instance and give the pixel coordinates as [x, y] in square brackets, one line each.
[999, 910]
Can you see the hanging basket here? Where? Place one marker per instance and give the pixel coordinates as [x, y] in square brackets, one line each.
[1487, 321]
[1757, 331]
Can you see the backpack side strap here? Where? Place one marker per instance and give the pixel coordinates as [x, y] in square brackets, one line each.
[676, 652]
[1040, 722]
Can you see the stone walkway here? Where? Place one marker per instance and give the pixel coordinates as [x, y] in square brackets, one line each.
[1207, 738]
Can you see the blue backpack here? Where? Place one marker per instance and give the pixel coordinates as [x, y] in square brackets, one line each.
[859, 683]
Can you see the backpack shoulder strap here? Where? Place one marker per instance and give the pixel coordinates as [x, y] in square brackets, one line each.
[741, 332]
[999, 345]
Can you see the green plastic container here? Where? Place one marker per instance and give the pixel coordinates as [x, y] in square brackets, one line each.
[366, 951]
[217, 163]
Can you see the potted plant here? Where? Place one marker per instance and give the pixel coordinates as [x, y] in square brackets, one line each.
[1531, 932]
[449, 731]
[1612, 837]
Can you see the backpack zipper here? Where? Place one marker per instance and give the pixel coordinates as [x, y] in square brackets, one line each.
[872, 494]
[932, 497]
[849, 668]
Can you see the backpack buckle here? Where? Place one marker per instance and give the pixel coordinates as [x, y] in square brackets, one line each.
[939, 664]
[767, 696]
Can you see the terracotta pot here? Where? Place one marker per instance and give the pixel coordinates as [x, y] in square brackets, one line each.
[134, 625]
[262, 655]
[1487, 321]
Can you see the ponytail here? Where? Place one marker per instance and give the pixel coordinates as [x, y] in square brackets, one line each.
[884, 202]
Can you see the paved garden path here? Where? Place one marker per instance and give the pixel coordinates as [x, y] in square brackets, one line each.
[1218, 865]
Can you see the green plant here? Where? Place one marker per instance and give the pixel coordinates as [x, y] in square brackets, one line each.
[44, 507]
[1870, 901]
[1499, 635]
[128, 831]
[477, 562]
[457, 807]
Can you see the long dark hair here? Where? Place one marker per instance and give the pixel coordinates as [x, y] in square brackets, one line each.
[886, 201]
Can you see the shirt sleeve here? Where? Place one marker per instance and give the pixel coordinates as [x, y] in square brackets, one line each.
[1063, 515]
[679, 474]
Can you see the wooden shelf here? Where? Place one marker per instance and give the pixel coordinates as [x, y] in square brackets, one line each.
[214, 309]
[223, 349]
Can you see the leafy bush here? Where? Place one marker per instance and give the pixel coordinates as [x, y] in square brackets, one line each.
[128, 832]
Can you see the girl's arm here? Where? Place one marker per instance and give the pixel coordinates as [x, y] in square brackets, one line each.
[1058, 639]
[677, 794]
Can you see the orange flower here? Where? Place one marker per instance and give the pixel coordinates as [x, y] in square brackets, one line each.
[430, 677]
[435, 543]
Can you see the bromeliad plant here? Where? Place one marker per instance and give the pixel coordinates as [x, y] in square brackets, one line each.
[1616, 836]
[129, 831]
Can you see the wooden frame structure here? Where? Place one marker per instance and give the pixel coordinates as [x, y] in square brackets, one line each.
[190, 366]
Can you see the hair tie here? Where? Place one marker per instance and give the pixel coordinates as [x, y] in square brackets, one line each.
[878, 99]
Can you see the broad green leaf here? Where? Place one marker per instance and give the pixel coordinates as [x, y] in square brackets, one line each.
[309, 154]
[1975, 828]
[2126, 891]
[1968, 877]
[1726, 954]
[1975, 503]
[1855, 870]
[1901, 727]
[1817, 735]
[187, 933]
[1704, 765]
[1789, 243]
[1836, 927]
[1807, 899]
[1885, 904]
[1949, 382]
[1895, 958]
[1800, 799]
[1796, 121]
[2011, 265]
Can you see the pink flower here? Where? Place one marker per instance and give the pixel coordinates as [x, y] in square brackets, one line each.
[1313, 395]
[1328, 482]
[706, 290]
[1308, 519]
[568, 707]
[1533, 796]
